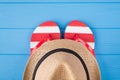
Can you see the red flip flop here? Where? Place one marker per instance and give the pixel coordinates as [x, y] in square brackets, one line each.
[44, 32]
[80, 32]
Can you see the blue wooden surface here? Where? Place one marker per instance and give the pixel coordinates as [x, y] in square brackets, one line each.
[96, 15]
[18, 18]
[9, 1]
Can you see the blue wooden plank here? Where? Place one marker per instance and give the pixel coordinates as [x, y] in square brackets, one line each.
[109, 66]
[107, 41]
[96, 15]
[60, 1]
[16, 41]
[12, 66]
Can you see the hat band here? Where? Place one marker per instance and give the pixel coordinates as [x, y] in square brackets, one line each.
[61, 50]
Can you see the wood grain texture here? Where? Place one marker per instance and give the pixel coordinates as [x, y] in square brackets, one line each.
[59, 1]
[96, 15]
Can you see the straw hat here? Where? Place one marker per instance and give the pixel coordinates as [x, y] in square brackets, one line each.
[62, 60]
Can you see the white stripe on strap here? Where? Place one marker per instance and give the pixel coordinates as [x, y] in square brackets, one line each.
[33, 44]
[47, 29]
[78, 29]
[91, 44]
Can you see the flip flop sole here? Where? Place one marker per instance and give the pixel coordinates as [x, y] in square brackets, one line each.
[43, 33]
[83, 33]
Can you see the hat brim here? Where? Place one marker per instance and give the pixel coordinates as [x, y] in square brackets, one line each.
[47, 58]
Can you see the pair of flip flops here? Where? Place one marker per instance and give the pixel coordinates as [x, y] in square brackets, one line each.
[53, 58]
[76, 30]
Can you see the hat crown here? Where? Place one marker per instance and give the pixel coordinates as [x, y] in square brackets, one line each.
[62, 60]
[62, 73]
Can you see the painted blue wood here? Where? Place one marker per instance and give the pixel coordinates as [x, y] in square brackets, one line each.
[60, 1]
[109, 66]
[18, 18]
[96, 15]
[16, 41]
[12, 66]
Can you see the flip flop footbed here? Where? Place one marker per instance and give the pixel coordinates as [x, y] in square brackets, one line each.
[44, 32]
[78, 31]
